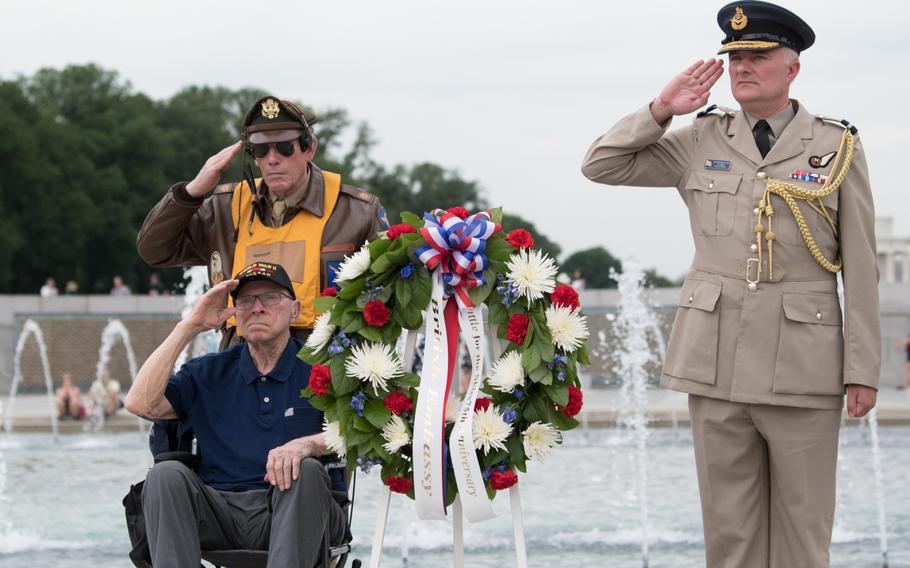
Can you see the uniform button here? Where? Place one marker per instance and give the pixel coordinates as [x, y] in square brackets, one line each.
[266, 399]
[818, 316]
[752, 286]
[711, 185]
[755, 211]
[754, 247]
[691, 299]
[261, 379]
[761, 175]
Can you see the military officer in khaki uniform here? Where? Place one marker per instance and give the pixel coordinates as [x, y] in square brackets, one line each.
[779, 203]
[296, 215]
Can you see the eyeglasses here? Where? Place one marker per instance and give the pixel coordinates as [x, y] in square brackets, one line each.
[267, 299]
[286, 149]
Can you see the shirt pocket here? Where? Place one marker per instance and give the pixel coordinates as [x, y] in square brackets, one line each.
[713, 201]
[692, 353]
[810, 353]
[300, 421]
[786, 229]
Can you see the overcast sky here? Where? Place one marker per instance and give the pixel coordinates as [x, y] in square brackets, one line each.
[509, 93]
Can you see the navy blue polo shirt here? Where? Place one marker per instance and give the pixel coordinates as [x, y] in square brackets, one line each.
[239, 414]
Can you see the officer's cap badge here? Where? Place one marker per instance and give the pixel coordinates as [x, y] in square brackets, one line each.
[739, 20]
[270, 108]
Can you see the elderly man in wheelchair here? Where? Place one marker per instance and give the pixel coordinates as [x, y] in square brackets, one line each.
[258, 484]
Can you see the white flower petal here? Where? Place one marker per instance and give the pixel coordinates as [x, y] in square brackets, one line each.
[539, 439]
[322, 332]
[507, 373]
[396, 434]
[354, 265]
[373, 363]
[334, 441]
[568, 328]
[532, 272]
[490, 431]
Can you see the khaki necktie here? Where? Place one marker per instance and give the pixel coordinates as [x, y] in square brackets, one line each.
[278, 208]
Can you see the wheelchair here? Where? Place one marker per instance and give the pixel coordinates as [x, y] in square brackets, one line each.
[172, 440]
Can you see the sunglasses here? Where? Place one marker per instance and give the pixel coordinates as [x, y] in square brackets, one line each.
[268, 300]
[286, 149]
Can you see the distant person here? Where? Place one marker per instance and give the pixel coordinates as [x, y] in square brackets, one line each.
[105, 392]
[50, 288]
[578, 281]
[120, 289]
[906, 382]
[299, 215]
[71, 288]
[155, 286]
[69, 399]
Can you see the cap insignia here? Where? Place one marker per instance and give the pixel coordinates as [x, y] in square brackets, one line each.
[270, 108]
[739, 20]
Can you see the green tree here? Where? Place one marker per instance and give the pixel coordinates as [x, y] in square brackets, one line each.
[594, 265]
[510, 222]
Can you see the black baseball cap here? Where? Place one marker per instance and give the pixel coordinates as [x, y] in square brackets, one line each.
[264, 271]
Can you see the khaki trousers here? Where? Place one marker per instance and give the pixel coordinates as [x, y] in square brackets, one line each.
[766, 476]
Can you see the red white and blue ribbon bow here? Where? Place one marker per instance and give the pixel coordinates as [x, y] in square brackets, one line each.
[457, 246]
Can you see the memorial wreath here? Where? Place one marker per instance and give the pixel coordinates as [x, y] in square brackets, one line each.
[437, 272]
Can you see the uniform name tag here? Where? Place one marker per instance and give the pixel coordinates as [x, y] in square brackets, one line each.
[718, 164]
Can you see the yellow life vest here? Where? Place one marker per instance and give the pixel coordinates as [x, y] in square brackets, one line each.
[296, 245]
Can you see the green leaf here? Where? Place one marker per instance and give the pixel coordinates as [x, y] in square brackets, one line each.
[558, 393]
[376, 444]
[530, 358]
[390, 333]
[378, 248]
[498, 315]
[381, 264]
[402, 292]
[493, 458]
[371, 333]
[411, 219]
[561, 421]
[517, 451]
[409, 379]
[324, 303]
[541, 407]
[496, 215]
[321, 402]
[352, 289]
[499, 250]
[540, 374]
[361, 424]
[583, 356]
[352, 320]
[479, 294]
[385, 294]
[376, 413]
[356, 437]
[451, 489]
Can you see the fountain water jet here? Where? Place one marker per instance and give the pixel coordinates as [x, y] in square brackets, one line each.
[113, 330]
[30, 328]
[198, 279]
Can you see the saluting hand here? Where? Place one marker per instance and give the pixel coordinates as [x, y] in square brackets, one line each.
[210, 174]
[210, 310]
[688, 91]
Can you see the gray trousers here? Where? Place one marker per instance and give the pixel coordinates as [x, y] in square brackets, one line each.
[183, 516]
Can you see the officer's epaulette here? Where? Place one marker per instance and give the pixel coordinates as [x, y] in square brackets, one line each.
[717, 109]
[843, 123]
[358, 193]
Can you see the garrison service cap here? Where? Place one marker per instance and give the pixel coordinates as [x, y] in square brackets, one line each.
[267, 271]
[758, 26]
[271, 113]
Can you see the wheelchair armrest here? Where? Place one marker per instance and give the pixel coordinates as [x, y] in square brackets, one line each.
[186, 458]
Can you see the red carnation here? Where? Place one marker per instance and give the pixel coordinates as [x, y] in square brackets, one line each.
[459, 212]
[564, 295]
[398, 402]
[396, 231]
[503, 480]
[482, 403]
[330, 291]
[398, 484]
[375, 313]
[576, 401]
[520, 239]
[517, 329]
[320, 377]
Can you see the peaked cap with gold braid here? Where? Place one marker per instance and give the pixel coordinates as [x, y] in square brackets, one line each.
[759, 26]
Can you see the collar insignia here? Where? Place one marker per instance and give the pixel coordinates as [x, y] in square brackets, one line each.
[739, 20]
[270, 108]
[822, 161]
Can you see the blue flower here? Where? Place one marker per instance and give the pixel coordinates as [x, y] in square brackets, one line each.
[357, 403]
[519, 394]
[366, 465]
[487, 473]
[407, 271]
[561, 376]
[510, 416]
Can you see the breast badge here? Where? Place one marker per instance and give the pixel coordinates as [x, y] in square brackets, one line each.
[822, 161]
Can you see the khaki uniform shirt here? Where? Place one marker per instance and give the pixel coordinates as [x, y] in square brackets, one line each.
[185, 231]
[786, 343]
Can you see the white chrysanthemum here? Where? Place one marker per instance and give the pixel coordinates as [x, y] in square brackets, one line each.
[532, 272]
[539, 439]
[507, 373]
[453, 409]
[322, 332]
[396, 434]
[568, 328]
[334, 441]
[354, 265]
[373, 363]
[490, 431]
